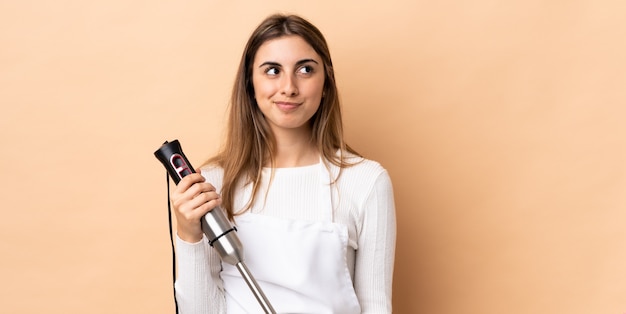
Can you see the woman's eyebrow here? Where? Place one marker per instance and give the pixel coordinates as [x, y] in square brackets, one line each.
[276, 64]
[271, 63]
[306, 61]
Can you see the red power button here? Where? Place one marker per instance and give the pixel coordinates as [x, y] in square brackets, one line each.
[180, 166]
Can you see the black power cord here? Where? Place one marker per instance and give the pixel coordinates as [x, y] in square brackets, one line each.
[169, 218]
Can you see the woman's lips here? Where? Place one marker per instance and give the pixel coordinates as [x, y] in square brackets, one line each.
[286, 106]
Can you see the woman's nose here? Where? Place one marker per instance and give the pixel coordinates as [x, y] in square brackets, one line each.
[289, 85]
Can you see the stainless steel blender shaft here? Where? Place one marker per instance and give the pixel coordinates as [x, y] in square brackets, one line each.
[256, 290]
[223, 237]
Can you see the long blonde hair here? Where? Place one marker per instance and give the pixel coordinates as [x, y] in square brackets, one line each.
[249, 142]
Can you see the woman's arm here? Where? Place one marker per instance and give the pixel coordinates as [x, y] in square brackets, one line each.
[376, 248]
[199, 289]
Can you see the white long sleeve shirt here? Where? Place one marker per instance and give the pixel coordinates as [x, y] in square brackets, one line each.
[363, 202]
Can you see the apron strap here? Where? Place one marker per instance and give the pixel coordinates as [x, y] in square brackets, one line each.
[326, 187]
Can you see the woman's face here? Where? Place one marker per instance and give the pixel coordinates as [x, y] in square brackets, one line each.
[288, 79]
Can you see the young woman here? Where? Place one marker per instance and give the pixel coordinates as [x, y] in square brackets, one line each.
[316, 219]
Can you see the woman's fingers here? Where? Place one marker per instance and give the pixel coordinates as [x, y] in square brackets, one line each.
[189, 213]
[188, 181]
[200, 187]
[196, 206]
[192, 199]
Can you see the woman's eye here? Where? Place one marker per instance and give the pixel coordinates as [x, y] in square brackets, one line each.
[305, 69]
[271, 71]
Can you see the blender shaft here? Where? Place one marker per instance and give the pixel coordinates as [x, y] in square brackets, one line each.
[256, 290]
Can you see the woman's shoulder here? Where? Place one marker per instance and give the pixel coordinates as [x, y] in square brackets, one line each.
[361, 163]
[213, 174]
[363, 177]
[361, 169]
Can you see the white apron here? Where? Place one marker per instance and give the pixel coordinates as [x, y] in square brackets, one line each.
[300, 265]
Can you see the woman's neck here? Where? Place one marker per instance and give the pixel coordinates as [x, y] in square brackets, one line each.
[294, 148]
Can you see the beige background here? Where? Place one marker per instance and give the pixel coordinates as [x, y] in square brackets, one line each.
[500, 122]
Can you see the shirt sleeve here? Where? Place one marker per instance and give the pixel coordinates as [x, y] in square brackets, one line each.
[376, 248]
[199, 290]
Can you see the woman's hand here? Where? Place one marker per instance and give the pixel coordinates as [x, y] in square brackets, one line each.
[192, 199]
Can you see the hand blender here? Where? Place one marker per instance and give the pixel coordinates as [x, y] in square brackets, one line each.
[215, 225]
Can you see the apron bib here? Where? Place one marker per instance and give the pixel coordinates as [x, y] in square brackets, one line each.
[300, 265]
